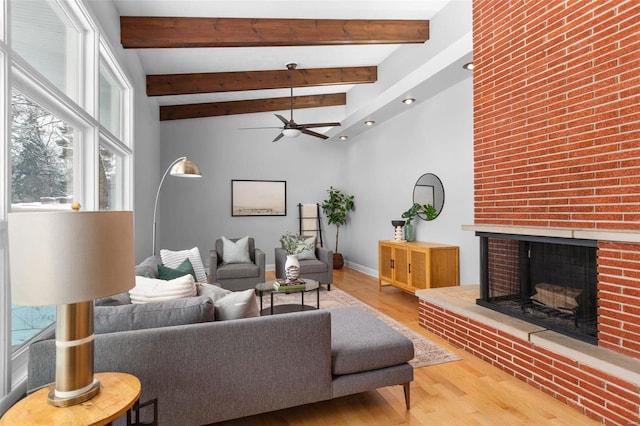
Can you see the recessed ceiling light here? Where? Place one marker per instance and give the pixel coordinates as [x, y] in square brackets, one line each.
[344, 137]
[408, 101]
[369, 122]
[468, 66]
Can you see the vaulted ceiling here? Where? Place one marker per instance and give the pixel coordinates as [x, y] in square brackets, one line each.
[206, 58]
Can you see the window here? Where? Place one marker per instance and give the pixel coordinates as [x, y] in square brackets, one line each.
[42, 147]
[69, 140]
[44, 36]
[110, 179]
[110, 100]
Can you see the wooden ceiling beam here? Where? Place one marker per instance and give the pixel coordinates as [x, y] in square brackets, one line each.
[182, 84]
[174, 32]
[215, 109]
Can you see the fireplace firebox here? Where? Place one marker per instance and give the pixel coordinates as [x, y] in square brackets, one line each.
[551, 282]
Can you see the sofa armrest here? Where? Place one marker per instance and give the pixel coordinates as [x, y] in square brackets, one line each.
[213, 266]
[260, 261]
[281, 258]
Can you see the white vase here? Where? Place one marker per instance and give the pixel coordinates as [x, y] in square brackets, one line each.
[292, 267]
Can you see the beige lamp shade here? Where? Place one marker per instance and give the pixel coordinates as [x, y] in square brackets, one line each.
[70, 257]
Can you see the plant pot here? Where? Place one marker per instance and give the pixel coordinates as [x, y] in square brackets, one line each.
[338, 261]
[292, 267]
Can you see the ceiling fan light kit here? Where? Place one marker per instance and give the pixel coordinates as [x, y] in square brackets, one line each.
[291, 133]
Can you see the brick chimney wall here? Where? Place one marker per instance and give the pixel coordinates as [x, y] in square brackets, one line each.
[557, 133]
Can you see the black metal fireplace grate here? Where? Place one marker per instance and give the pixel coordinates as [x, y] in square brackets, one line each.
[550, 282]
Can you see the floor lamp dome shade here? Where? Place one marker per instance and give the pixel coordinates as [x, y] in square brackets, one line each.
[69, 259]
[181, 167]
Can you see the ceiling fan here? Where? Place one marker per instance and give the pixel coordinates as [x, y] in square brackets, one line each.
[290, 128]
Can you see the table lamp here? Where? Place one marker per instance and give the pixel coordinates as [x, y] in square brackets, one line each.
[68, 259]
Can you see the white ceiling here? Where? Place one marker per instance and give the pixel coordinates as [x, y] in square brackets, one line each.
[175, 61]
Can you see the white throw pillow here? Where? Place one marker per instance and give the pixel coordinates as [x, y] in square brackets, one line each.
[173, 259]
[307, 254]
[236, 305]
[154, 290]
[237, 252]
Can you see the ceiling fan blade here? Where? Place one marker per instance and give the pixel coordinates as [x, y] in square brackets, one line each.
[311, 125]
[278, 137]
[312, 133]
[284, 120]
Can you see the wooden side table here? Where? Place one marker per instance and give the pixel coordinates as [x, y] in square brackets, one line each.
[118, 393]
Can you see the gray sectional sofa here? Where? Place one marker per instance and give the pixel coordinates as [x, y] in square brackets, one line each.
[211, 371]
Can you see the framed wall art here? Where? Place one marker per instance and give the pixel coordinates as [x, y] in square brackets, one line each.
[258, 198]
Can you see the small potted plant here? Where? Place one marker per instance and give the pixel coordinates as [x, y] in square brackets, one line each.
[336, 208]
[429, 212]
[293, 245]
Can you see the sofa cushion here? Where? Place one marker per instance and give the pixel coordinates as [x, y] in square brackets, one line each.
[173, 259]
[115, 300]
[185, 268]
[236, 305]
[110, 319]
[361, 342]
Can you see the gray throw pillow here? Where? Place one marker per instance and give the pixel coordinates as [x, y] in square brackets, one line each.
[110, 319]
[215, 292]
[149, 267]
[236, 305]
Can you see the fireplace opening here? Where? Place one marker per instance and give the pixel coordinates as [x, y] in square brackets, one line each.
[551, 282]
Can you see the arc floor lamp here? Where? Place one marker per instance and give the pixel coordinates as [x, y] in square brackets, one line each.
[181, 167]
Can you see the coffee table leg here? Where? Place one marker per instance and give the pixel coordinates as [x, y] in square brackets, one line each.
[318, 297]
[302, 307]
[260, 294]
[271, 303]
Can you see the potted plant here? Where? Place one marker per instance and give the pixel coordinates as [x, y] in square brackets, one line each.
[293, 245]
[336, 208]
[429, 212]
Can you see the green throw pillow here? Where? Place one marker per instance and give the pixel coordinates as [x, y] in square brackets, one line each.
[185, 268]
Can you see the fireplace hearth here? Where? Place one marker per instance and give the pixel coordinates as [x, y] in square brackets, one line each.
[551, 282]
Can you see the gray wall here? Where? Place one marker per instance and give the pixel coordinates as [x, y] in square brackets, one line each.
[435, 136]
[379, 167]
[194, 212]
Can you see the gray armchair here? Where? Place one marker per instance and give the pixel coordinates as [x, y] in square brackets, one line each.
[319, 269]
[237, 276]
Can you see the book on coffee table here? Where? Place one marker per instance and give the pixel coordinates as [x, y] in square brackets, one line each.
[283, 285]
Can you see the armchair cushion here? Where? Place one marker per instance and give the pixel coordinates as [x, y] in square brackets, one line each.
[237, 270]
[309, 252]
[235, 251]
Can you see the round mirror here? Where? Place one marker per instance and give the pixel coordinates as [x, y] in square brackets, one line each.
[429, 190]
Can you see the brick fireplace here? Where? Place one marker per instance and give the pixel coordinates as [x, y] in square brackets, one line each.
[557, 154]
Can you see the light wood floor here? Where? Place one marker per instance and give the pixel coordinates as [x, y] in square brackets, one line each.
[465, 392]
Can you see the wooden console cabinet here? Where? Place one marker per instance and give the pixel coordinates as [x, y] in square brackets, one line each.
[416, 265]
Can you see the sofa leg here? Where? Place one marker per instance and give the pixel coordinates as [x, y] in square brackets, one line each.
[407, 395]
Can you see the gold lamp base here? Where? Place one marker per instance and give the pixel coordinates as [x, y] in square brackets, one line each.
[73, 400]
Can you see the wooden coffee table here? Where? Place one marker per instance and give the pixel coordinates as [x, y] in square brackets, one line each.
[267, 287]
